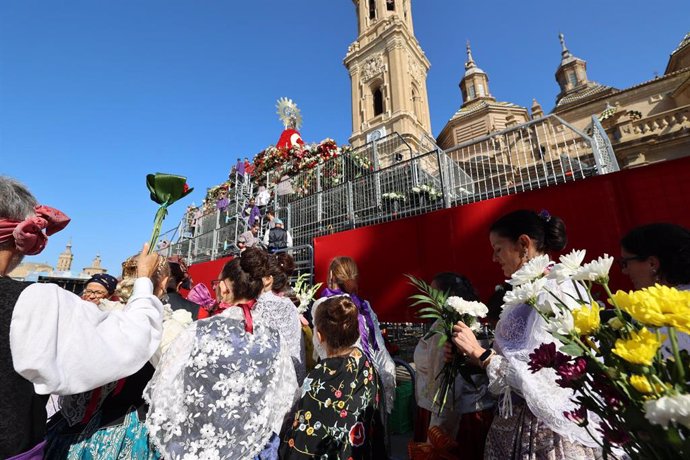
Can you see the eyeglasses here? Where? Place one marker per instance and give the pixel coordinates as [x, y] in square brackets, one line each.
[89, 292]
[623, 261]
[215, 283]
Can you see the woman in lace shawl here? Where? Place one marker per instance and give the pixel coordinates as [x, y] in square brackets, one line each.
[107, 422]
[337, 416]
[225, 384]
[343, 275]
[276, 308]
[530, 424]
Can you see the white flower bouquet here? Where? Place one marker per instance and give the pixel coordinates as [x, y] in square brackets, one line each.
[448, 310]
[305, 292]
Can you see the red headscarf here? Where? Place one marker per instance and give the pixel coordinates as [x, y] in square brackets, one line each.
[28, 234]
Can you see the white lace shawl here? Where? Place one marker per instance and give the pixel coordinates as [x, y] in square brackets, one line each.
[383, 363]
[282, 314]
[220, 392]
[519, 331]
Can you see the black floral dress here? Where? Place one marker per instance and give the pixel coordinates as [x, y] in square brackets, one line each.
[338, 416]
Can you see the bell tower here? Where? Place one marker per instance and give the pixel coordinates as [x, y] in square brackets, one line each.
[64, 263]
[388, 71]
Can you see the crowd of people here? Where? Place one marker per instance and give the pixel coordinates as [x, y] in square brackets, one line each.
[136, 370]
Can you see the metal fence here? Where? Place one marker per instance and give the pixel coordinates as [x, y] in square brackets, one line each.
[341, 194]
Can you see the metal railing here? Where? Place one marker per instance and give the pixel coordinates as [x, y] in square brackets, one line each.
[398, 184]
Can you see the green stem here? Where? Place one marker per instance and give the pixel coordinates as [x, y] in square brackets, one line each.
[157, 224]
[676, 354]
[617, 309]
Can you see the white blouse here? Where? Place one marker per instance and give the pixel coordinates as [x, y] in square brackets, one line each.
[63, 345]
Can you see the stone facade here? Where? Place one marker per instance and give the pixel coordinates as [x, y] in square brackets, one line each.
[647, 123]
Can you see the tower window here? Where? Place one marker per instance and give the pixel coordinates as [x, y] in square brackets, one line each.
[390, 5]
[378, 101]
[572, 78]
[471, 94]
[480, 90]
[372, 9]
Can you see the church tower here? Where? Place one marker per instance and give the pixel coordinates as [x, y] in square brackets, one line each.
[64, 263]
[388, 71]
[475, 83]
[571, 76]
[480, 113]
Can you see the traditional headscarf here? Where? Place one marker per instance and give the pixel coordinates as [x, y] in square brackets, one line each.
[28, 235]
[107, 281]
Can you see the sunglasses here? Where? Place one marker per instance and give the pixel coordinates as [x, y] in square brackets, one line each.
[623, 261]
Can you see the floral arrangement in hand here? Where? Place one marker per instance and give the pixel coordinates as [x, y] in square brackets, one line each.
[305, 292]
[616, 361]
[447, 311]
[165, 190]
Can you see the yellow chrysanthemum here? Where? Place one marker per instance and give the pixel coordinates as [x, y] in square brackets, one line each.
[640, 348]
[641, 384]
[657, 306]
[586, 319]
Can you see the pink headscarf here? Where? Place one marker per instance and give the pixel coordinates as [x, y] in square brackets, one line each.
[28, 234]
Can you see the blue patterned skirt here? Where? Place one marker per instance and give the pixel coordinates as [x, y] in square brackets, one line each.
[126, 441]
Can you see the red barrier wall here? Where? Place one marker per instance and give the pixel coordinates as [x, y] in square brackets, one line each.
[597, 212]
[207, 271]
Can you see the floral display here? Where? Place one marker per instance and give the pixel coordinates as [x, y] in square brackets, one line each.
[394, 196]
[427, 191]
[628, 375]
[447, 311]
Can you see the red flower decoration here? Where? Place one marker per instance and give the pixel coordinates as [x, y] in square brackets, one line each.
[185, 188]
[357, 435]
[343, 413]
[338, 393]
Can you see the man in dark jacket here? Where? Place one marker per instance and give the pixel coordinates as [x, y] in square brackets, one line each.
[277, 238]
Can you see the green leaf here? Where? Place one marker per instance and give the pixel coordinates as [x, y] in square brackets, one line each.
[442, 341]
[429, 316]
[571, 349]
[167, 188]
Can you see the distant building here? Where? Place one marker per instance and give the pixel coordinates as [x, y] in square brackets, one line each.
[95, 267]
[61, 275]
[64, 263]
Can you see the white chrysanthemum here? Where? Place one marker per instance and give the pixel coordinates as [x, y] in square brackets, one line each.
[525, 293]
[568, 266]
[597, 270]
[532, 270]
[669, 409]
[465, 307]
[562, 323]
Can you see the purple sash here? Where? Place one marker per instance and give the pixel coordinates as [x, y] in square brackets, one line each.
[34, 454]
[364, 318]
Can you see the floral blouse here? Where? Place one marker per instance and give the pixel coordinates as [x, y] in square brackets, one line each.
[338, 416]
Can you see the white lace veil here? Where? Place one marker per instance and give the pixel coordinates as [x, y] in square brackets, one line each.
[518, 333]
[220, 392]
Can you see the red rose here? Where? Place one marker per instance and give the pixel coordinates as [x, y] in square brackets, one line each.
[357, 435]
[185, 188]
[343, 413]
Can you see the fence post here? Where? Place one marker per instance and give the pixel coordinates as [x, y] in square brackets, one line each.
[444, 173]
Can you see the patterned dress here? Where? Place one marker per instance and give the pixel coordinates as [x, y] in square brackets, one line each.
[338, 415]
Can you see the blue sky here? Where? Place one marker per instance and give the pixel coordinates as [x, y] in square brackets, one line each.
[96, 94]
